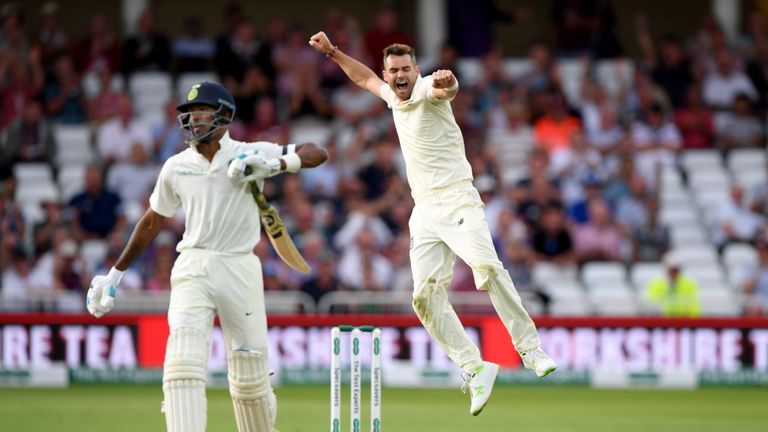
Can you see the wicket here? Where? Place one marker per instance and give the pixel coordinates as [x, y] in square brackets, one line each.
[356, 378]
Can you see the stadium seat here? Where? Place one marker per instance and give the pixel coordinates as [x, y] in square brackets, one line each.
[572, 73]
[470, 70]
[311, 131]
[544, 273]
[37, 193]
[602, 273]
[570, 307]
[71, 180]
[93, 253]
[641, 273]
[720, 303]
[517, 67]
[697, 256]
[739, 159]
[614, 75]
[32, 173]
[697, 160]
[710, 277]
[73, 144]
[689, 235]
[739, 254]
[92, 85]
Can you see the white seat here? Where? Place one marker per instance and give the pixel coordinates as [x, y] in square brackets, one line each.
[311, 131]
[678, 215]
[570, 307]
[709, 276]
[186, 80]
[92, 84]
[710, 177]
[689, 235]
[150, 83]
[544, 273]
[37, 193]
[739, 159]
[739, 254]
[749, 177]
[517, 67]
[71, 180]
[73, 144]
[93, 252]
[696, 160]
[471, 70]
[33, 214]
[613, 299]
[562, 289]
[709, 198]
[698, 255]
[641, 273]
[31, 173]
[720, 303]
[601, 273]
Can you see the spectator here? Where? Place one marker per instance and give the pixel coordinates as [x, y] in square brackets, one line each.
[552, 242]
[105, 105]
[675, 293]
[518, 261]
[631, 212]
[384, 33]
[757, 70]
[554, 130]
[52, 38]
[650, 241]
[116, 137]
[362, 267]
[266, 126]
[722, 85]
[13, 37]
[293, 59]
[131, 281]
[696, 124]
[44, 231]
[471, 23]
[510, 141]
[21, 279]
[12, 227]
[69, 272]
[324, 278]
[755, 287]
[64, 98]
[24, 85]
[656, 140]
[323, 181]
[160, 280]
[244, 49]
[99, 49]
[669, 66]
[352, 105]
[134, 179]
[148, 49]
[166, 137]
[96, 211]
[193, 51]
[733, 220]
[741, 129]
[255, 87]
[28, 139]
[599, 239]
[164, 244]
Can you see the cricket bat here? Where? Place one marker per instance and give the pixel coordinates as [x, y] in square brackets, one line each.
[278, 235]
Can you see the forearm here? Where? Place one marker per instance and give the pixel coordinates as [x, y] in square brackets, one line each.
[356, 71]
[311, 155]
[146, 230]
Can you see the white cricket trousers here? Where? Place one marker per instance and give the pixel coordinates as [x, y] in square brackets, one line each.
[447, 223]
[205, 283]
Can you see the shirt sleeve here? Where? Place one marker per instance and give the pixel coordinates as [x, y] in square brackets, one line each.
[387, 94]
[271, 150]
[164, 200]
[427, 89]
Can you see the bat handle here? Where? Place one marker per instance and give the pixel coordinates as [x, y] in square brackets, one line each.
[261, 201]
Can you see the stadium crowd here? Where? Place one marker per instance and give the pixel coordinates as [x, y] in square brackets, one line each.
[578, 150]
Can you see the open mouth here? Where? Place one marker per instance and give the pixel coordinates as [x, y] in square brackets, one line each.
[401, 86]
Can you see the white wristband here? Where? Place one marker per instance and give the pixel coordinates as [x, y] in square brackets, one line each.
[115, 276]
[292, 162]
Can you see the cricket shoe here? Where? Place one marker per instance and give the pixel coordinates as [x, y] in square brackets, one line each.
[537, 360]
[480, 385]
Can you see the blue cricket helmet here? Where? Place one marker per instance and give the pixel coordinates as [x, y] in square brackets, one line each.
[210, 94]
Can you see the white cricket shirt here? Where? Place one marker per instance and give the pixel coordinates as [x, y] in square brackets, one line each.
[432, 144]
[221, 215]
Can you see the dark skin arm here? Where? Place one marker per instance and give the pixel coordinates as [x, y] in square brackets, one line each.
[311, 155]
[146, 230]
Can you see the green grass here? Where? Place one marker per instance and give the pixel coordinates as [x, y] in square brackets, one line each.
[126, 408]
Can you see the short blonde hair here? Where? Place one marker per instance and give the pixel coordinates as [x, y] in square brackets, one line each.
[397, 49]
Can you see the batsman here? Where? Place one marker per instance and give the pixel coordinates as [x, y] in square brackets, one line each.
[216, 271]
[448, 219]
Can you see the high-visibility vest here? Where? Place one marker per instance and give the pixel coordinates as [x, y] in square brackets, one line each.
[680, 300]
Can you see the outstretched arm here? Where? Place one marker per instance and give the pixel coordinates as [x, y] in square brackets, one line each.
[361, 74]
[311, 155]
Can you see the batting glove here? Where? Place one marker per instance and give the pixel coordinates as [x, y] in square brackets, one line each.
[252, 166]
[101, 294]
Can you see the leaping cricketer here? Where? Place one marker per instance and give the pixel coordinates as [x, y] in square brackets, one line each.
[448, 217]
[216, 272]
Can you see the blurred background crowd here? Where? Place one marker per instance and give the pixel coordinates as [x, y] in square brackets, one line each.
[609, 167]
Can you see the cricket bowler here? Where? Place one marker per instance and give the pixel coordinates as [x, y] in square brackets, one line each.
[448, 217]
[216, 271]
